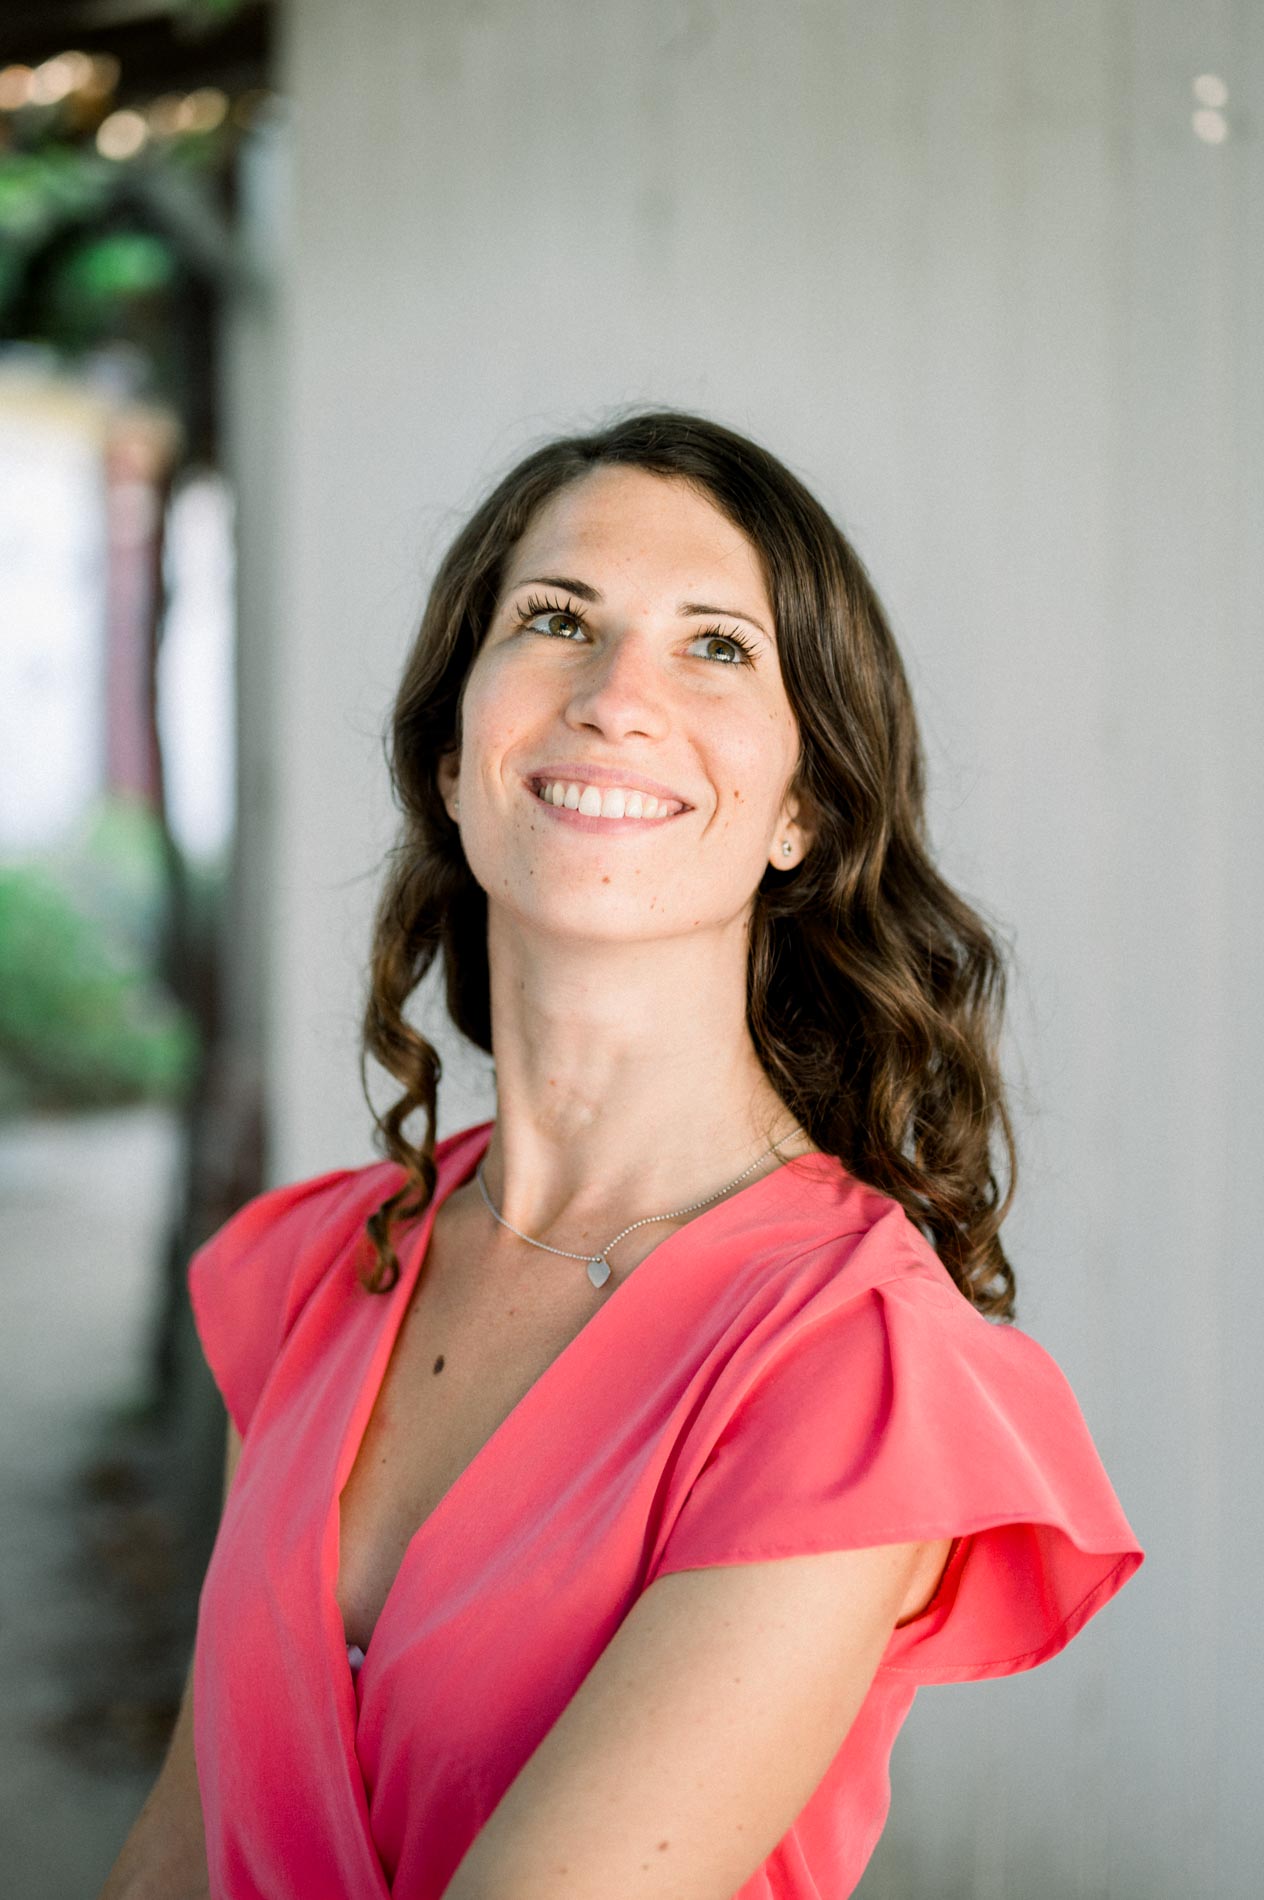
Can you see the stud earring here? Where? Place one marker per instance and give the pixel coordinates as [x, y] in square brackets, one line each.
[786, 847]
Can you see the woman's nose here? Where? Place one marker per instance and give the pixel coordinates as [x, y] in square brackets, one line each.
[621, 682]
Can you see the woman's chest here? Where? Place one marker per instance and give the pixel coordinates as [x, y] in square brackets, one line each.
[476, 1337]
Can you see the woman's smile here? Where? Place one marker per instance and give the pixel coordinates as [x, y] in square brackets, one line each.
[573, 814]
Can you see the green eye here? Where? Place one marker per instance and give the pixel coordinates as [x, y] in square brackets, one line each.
[554, 613]
[537, 609]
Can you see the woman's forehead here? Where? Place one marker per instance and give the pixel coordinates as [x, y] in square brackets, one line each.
[629, 522]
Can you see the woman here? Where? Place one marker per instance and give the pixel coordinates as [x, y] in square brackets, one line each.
[613, 1472]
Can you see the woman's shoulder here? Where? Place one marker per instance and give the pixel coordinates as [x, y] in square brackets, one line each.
[311, 1202]
[854, 1237]
[877, 1303]
[853, 1266]
[252, 1279]
[866, 1400]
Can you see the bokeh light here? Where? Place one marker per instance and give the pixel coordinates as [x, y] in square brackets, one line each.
[58, 77]
[203, 110]
[15, 88]
[1211, 127]
[121, 135]
[1210, 90]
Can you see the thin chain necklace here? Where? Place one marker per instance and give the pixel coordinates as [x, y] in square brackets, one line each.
[599, 1268]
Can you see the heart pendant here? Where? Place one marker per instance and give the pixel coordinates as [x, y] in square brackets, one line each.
[599, 1269]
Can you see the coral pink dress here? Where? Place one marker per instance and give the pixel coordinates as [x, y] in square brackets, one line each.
[792, 1371]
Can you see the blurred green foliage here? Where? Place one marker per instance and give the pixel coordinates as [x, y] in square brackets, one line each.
[41, 193]
[84, 1019]
[40, 190]
[56, 203]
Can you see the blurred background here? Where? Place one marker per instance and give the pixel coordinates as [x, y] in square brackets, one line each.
[283, 288]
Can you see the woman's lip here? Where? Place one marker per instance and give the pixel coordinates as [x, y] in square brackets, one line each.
[603, 776]
[609, 825]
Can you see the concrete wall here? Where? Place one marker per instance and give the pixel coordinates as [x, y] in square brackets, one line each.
[969, 269]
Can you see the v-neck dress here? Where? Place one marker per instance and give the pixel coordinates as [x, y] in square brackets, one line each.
[791, 1371]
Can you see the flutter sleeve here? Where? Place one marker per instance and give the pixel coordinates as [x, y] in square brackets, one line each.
[249, 1281]
[901, 1414]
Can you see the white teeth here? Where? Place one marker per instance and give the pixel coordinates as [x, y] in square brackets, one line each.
[612, 802]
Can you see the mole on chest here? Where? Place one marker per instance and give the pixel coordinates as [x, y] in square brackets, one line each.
[450, 1384]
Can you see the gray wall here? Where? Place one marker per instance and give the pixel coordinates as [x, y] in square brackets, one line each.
[969, 270]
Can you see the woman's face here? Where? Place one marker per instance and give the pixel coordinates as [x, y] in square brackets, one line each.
[633, 641]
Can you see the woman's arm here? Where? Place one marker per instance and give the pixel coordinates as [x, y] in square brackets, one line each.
[164, 1856]
[701, 1731]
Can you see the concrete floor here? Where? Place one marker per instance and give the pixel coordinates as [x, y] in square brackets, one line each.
[83, 1207]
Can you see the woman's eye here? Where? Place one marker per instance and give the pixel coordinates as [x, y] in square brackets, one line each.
[740, 652]
[558, 619]
[551, 615]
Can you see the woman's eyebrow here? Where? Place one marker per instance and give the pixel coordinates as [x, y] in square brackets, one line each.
[585, 592]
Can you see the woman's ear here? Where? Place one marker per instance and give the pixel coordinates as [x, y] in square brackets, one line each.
[794, 836]
[447, 778]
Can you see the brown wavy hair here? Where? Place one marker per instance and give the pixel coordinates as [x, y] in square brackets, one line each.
[874, 991]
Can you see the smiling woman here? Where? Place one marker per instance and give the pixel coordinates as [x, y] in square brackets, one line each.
[605, 1478]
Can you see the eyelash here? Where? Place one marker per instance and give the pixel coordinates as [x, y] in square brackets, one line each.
[537, 606]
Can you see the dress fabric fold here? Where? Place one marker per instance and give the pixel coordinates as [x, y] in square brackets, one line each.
[791, 1371]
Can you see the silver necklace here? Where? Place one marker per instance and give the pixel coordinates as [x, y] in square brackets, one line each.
[599, 1268]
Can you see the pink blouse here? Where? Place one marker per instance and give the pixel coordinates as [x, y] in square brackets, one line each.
[793, 1370]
